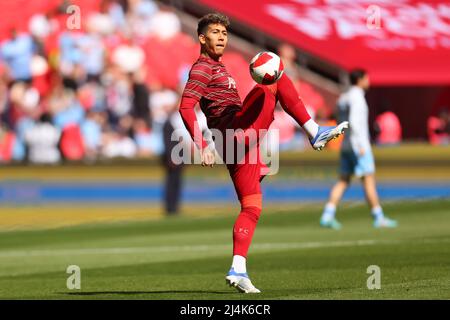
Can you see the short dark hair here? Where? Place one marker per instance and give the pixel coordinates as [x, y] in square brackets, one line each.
[356, 75]
[45, 118]
[212, 18]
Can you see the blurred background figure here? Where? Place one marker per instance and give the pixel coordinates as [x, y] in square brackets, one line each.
[356, 157]
[17, 52]
[42, 141]
[143, 136]
[91, 130]
[388, 127]
[173, 171]
[289, 58]
[11, 148]
[439, 127]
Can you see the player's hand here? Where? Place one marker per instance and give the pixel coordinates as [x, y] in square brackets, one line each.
[208, 158]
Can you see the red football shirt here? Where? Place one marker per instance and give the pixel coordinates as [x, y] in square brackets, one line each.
[211, 84]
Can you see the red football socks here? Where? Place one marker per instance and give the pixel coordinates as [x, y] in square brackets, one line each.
[243, 230]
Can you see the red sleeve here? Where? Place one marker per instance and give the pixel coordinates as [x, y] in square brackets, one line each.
[190, 121]
[199, 78]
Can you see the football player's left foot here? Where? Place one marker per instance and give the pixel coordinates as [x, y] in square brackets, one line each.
[325, 134]
[385, 223]
[241, 282]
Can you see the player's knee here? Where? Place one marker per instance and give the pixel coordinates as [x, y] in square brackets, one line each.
[345, 179]
[251, 206]
[273, 89]
[270, 89]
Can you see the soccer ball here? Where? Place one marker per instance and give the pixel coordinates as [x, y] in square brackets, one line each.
[266, 67]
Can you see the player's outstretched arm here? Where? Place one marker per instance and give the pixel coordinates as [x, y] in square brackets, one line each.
[189, 117]
[190, 121]
[199, 78]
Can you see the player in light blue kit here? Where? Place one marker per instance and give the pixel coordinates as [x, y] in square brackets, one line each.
[356, 154]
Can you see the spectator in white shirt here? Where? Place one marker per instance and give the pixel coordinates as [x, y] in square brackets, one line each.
[42, 141]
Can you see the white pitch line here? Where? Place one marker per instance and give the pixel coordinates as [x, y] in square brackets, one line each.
[274, 246]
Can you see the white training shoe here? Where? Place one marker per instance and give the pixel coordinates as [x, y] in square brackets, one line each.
[241, 282]
[385, 222]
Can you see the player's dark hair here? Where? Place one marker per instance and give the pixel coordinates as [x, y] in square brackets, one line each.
[356, 75]
[212, 18]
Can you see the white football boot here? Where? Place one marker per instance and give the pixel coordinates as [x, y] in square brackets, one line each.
[241, 282]
[325, 134]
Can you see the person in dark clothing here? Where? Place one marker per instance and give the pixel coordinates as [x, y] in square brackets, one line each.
[141, 101]
[141, 95]
[174, 172]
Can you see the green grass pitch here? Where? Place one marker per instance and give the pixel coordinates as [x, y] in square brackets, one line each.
[186, 258]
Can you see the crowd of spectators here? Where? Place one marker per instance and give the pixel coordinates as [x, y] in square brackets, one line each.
[106, 88]
[102, 90]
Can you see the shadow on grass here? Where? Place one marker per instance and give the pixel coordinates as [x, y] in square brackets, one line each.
[93, 293]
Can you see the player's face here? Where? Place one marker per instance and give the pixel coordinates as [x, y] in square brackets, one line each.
[215, 40]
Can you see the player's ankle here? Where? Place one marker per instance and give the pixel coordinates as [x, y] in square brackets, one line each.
[239, 264]
[311, 128]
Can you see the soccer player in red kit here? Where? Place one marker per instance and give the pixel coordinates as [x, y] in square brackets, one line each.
[214, 88]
